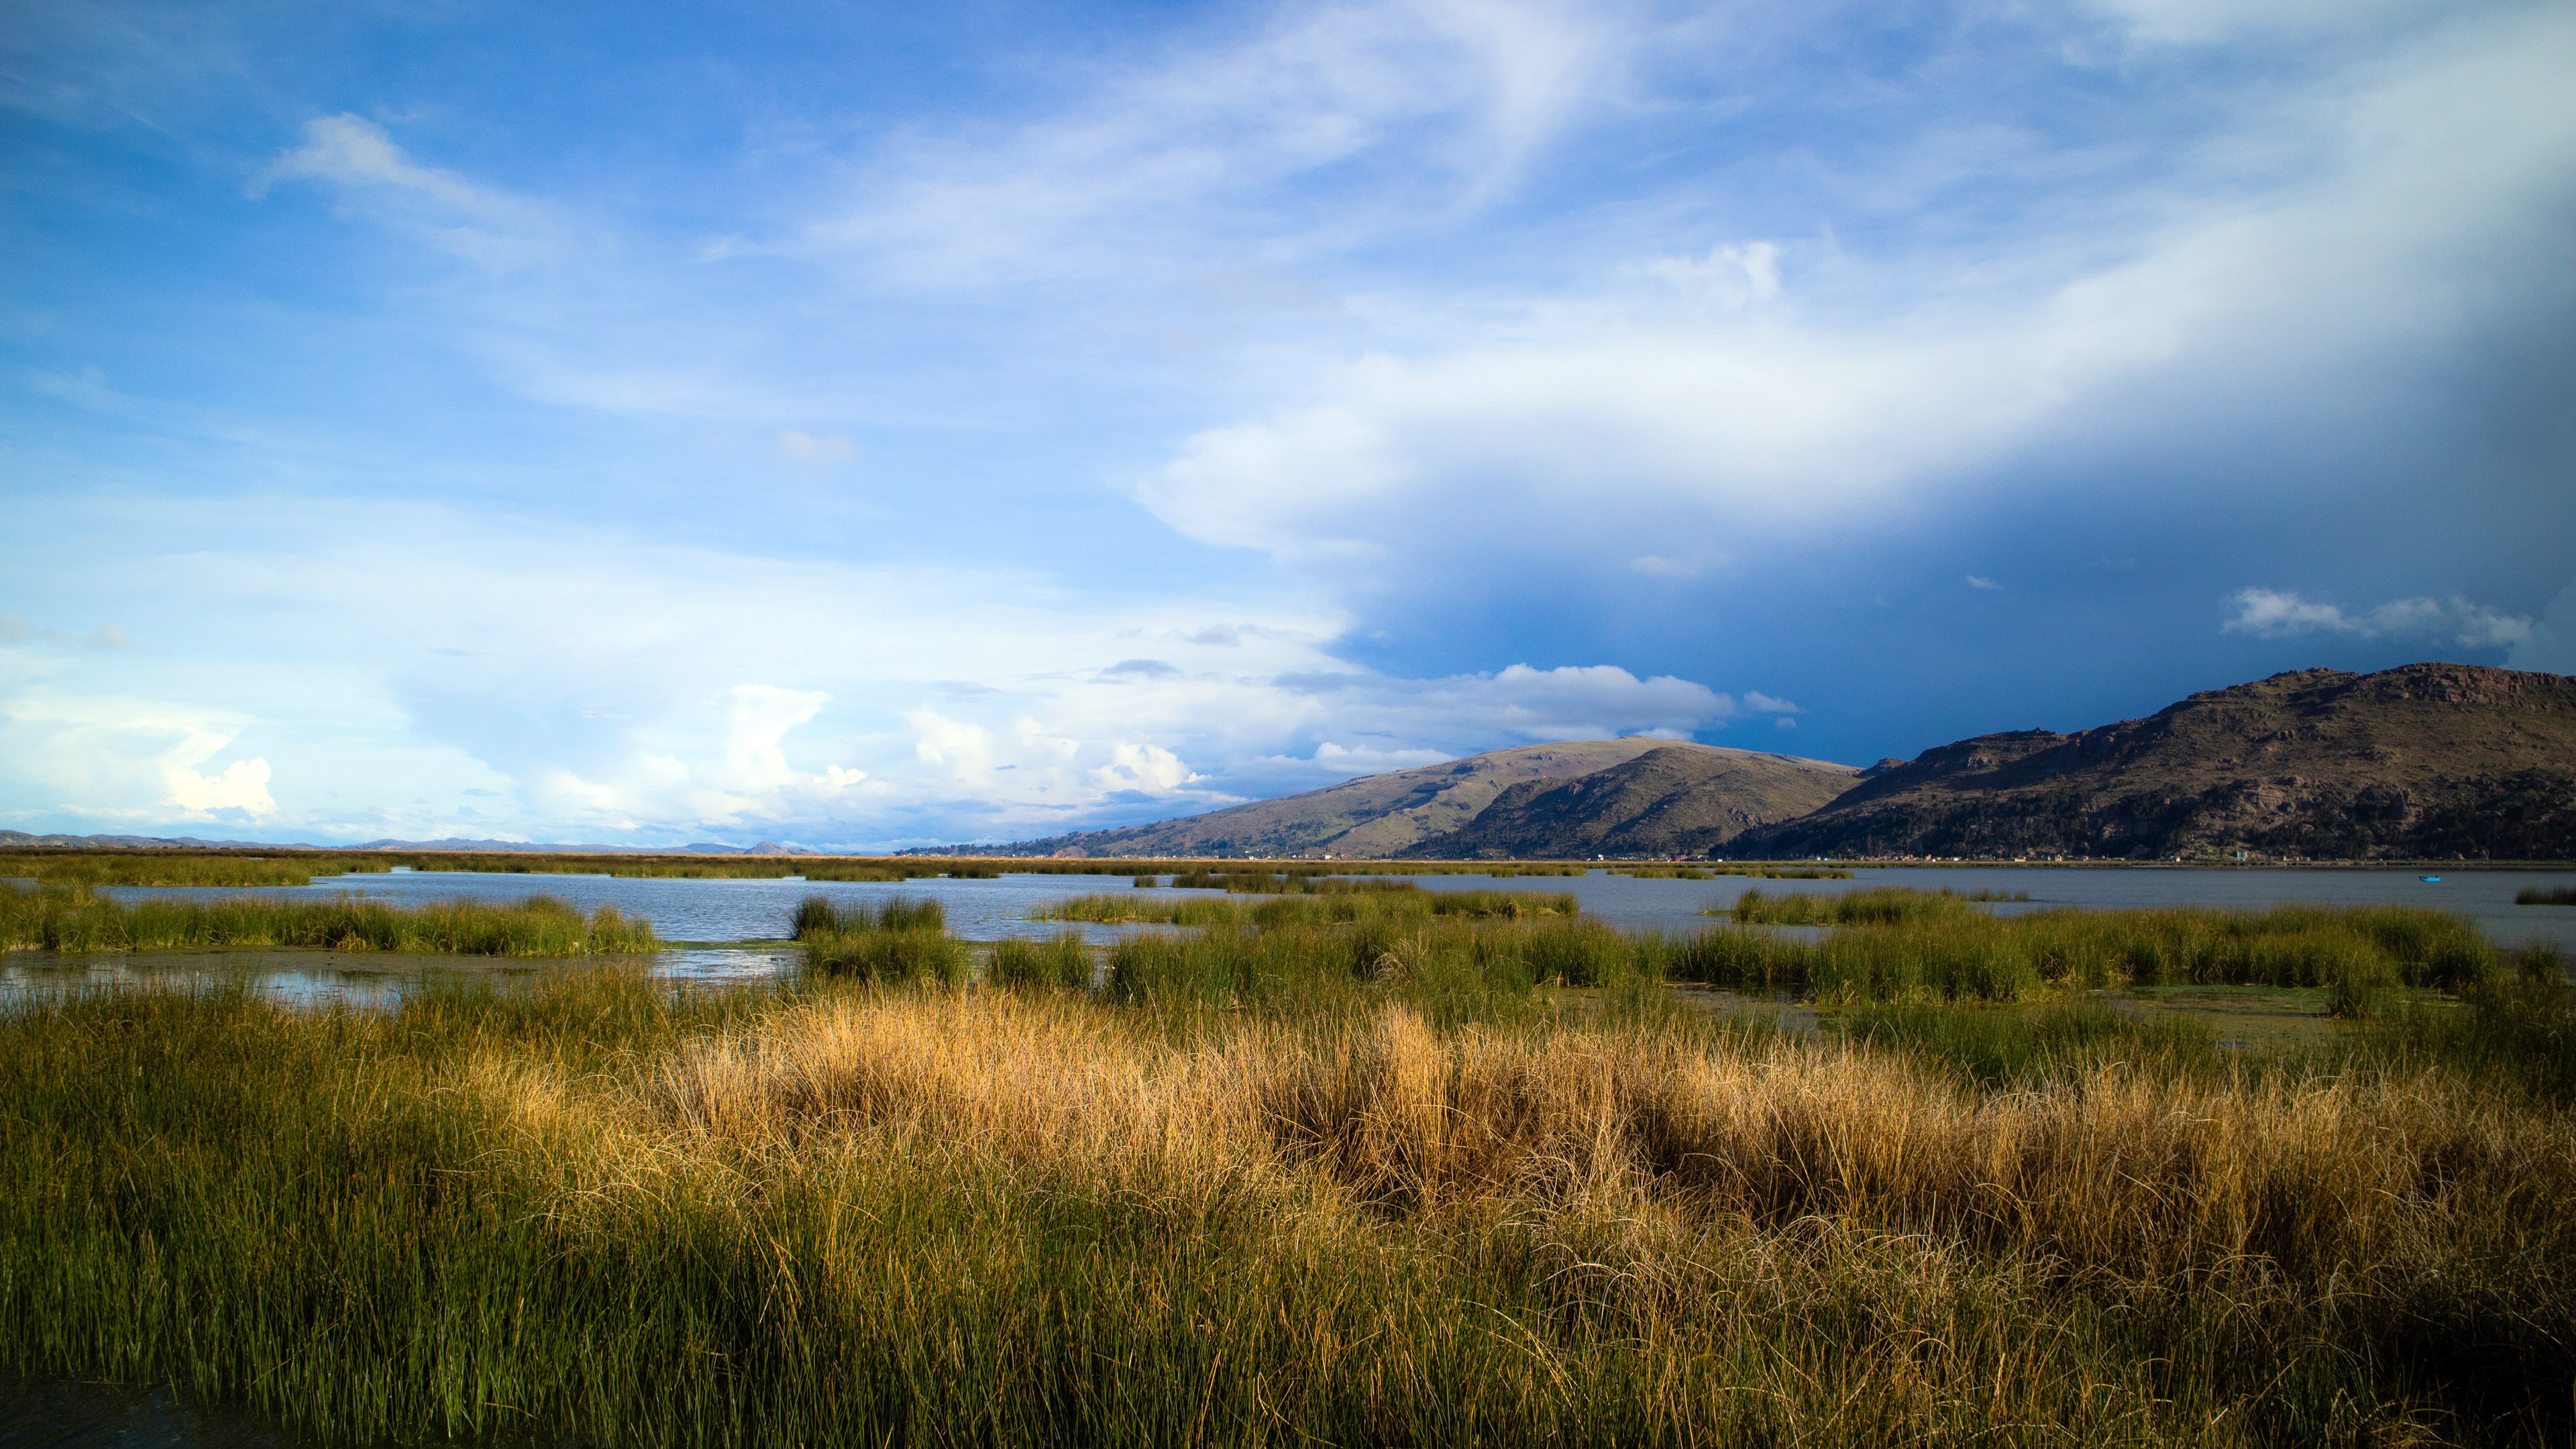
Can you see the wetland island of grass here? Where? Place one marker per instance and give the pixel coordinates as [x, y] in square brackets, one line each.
[1325, 1166]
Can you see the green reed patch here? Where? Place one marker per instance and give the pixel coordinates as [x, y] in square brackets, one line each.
[893, 939]
[1062, 961]
[1933, 946]
[2546, 896]
[1884, 905]
[71, 919]
[1373, 901]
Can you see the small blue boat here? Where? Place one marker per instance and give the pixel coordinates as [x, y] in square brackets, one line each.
[2430, 879]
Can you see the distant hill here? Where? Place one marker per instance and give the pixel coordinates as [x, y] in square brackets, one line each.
[1674, 800]
[2427, 761]
[1388, 815]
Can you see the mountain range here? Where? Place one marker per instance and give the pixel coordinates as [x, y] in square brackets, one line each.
[1639, 795]
[2423, 761]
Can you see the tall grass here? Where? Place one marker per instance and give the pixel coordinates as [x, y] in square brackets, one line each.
[70, 919]
[1919, 945]
[1061, 961]
[856, 1214]
[2546, 896]
[899, 938]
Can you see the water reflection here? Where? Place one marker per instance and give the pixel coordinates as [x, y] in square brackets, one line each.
[59, 1414]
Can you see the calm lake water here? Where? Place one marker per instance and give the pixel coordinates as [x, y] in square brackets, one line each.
[727, 919]
[984, 910]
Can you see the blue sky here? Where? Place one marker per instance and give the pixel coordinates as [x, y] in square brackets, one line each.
[874, 426]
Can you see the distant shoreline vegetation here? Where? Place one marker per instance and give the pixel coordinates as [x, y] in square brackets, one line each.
[74, 919]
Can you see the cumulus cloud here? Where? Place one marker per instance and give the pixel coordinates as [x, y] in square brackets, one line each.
[132, 759]
[2277, 613]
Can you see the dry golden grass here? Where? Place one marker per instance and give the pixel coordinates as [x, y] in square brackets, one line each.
[2362, 1182]
[856, 1212]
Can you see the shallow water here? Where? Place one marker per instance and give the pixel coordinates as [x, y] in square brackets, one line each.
[983, 910]
[738, 922]
[65, 1414]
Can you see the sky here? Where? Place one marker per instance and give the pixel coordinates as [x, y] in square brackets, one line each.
[874, 426]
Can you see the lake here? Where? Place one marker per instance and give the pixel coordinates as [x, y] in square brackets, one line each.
[716, 924]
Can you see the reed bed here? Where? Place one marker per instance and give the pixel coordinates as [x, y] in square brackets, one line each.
[1309, 908]
[1912, 944]
[2546, 896]
[156, 868]
[898, 939]
[1709, 872]
[857, 1213]
[1884, 905]
[57, 918]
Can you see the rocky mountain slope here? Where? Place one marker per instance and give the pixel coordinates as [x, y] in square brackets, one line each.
[1675, 800]
[2424, 761]
[1387, 815]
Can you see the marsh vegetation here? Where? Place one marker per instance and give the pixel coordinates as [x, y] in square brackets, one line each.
[1330, 1167]
[75, 919]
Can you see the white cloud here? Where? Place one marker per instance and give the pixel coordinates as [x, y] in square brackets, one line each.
[355, 151]
[808, 448]
[1860, 383]
[130, 758]
[1761, 703]
[566, 690]
[1739, 275]
[1456, 94]
[439, 208]
[2276, 613]
[1975, 582]
[1342, 759]
[1147, 768]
